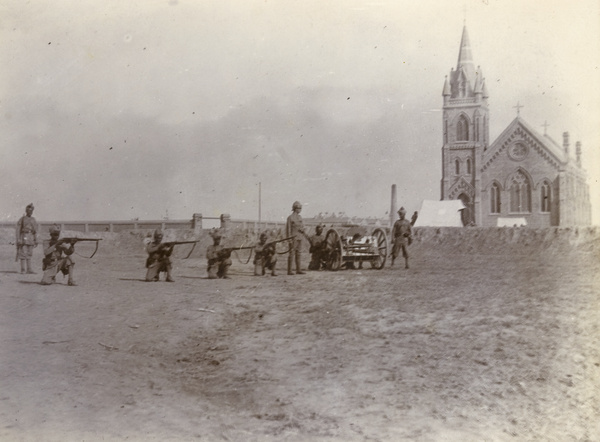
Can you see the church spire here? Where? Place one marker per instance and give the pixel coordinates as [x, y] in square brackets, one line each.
[465, 58]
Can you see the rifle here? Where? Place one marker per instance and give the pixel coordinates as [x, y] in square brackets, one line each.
[74, 240]
[226, 251]
[269, 244]
[176, 243]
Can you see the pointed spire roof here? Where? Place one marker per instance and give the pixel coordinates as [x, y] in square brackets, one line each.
[446, 90]
[465, 58]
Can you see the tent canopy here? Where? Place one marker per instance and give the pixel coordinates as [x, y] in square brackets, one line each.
[440, 213]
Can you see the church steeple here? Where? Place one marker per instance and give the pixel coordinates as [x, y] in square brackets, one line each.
[465, 131]
[465, 58]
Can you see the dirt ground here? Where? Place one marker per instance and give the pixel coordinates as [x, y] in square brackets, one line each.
[478, 341]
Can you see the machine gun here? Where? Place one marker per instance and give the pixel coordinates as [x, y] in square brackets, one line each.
[73, 240]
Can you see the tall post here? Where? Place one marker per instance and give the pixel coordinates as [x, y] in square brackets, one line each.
[259, 201]
[393, 207]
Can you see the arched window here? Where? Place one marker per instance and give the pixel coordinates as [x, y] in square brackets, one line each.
[462, 129]
[495, 198]
[469, 166]
[546, 197]
[457, 166]
[520, 194]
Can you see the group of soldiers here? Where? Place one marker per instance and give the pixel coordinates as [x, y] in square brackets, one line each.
[58, 251]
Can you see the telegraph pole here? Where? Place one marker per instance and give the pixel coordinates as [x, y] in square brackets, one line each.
[259, 201]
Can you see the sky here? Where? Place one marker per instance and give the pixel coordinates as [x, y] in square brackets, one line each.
[147, 109]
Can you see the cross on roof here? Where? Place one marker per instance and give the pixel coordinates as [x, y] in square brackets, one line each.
[518, 107]
[545, 126]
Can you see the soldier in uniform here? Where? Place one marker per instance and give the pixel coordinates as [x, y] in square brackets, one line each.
[265, 256]
[401, 237]
[159, 258]
[27, 228]
[218, 258]
[295, 227]
[317, 250]
[54, 260]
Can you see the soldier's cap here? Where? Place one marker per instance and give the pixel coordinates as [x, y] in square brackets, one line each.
[319, 226]
[157, 233]
[29, 206]
[296, 205]
[402, 210]
[215, 233]
[54, 229]
[264, 235]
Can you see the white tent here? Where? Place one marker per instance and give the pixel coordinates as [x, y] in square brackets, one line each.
[511, 222]
[440, 213]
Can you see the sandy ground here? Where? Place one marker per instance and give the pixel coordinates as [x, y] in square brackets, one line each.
[464, 346]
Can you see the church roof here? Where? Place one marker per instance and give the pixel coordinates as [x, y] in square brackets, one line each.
[545, 141]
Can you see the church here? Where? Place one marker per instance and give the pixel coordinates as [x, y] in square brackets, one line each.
[521, 178]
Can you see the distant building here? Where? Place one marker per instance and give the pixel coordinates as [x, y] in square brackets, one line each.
[521, 174]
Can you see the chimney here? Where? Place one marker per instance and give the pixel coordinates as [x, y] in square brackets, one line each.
[578, 152]
[566, 143]
[393, 207]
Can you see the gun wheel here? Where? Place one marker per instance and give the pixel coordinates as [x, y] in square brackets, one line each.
[381, 249]
[333, 247]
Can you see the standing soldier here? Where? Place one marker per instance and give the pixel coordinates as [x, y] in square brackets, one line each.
[401, 237]
[26, 238]
[218, 258]
[159, 258]
[54, 261]
[317, 249]
[295, 227]
[265, 257]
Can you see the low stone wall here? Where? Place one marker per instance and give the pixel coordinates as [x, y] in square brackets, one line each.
[481, 240]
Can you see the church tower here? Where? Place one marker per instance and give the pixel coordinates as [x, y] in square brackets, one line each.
[465, 133]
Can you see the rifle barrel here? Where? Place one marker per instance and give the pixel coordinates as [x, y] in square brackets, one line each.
[82, 239]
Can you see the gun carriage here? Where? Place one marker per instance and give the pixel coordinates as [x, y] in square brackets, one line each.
[343, 250]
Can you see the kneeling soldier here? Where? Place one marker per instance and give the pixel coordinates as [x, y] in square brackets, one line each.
[264, 256]
[54, 260]
[317, 250]
[159, 258]
[218, 258]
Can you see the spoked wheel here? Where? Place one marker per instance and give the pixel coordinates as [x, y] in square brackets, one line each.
[333, 247]
[381, 249]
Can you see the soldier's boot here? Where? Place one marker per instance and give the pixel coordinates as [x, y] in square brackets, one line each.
[406, 263]
[71, 281]
[392, 263]
[22, 266]
[258, 270]
[169, 277]
[31, 272]
[225, 272]
[298, 267]
[273, 272]
[290, 258]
